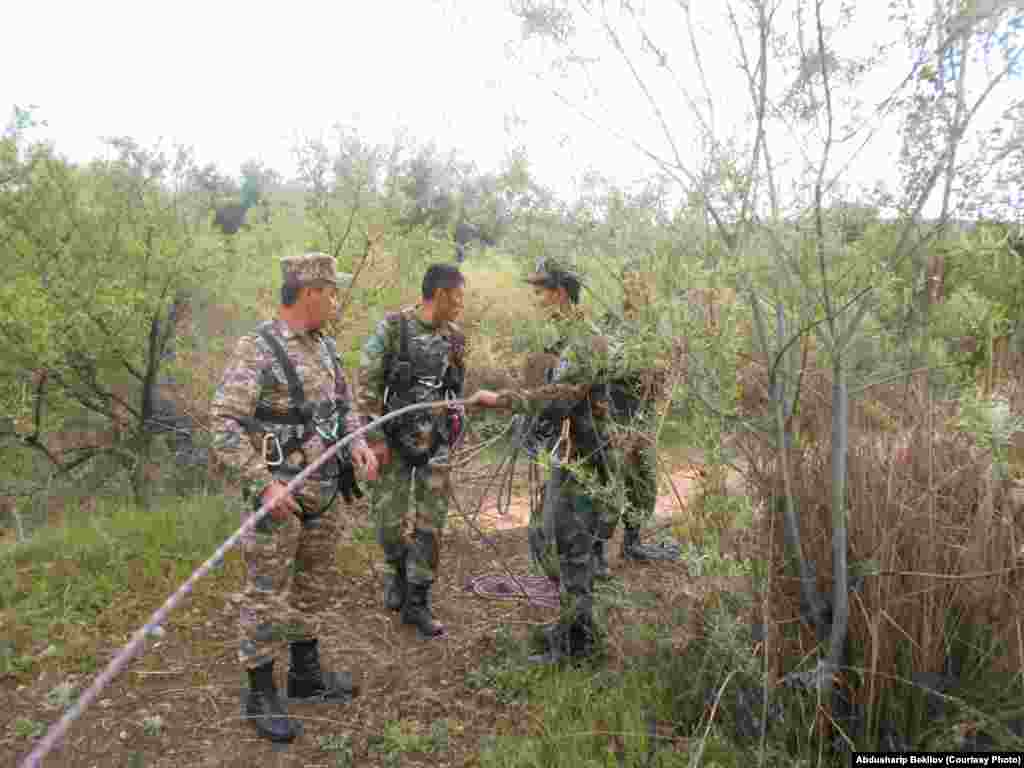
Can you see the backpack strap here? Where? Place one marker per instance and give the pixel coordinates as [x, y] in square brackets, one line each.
[296, 393]
[332, 350]
[399, 379]
[403, 339]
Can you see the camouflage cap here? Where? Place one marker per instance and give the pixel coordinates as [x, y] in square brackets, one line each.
[310, 268]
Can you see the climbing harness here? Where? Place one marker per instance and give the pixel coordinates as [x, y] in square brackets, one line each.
[289, 432]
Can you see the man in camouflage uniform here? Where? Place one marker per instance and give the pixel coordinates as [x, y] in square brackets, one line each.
[428, 366]
[557, 290]
[263, 437]
[577, 408]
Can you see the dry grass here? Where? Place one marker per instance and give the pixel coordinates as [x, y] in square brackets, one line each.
[939, 534]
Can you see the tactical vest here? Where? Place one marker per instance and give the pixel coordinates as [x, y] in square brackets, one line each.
[587, 426]
[428, 369]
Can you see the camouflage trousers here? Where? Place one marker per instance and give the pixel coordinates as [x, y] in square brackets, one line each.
[544, 516]
[577, 519]
[286, 585]
[634, 506]
[540, 533]
[410, 508]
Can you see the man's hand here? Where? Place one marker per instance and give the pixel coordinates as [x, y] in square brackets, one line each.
[487, 399]
[280, 502]
[366, 460]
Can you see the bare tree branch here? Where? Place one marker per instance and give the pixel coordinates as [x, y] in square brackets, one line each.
[819, 182]
[727, 236]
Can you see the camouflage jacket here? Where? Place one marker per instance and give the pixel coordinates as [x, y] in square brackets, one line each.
[432, 352]
[576, 388]
[255, 378]
[639, 369]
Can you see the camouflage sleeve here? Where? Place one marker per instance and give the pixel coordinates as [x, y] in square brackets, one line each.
[233, 405]
[372, 378]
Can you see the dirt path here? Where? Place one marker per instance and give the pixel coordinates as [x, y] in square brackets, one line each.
[190, 678]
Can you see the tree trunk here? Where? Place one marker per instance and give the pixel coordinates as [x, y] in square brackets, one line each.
[840, 573]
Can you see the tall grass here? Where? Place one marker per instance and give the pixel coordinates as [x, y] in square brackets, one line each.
[934, 548]
[84, 579]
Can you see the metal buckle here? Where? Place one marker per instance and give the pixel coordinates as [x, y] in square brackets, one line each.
[327, 426]
[433, 382]
[331, 435]
[269, 438]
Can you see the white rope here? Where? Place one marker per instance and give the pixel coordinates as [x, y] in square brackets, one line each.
[57, 731]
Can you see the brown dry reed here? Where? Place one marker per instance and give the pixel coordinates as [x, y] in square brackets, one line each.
[935, 529]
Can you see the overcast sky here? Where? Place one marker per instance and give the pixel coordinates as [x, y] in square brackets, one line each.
[240, 80]
[249, 80]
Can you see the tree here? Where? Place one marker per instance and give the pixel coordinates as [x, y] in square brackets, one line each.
[96, 257]
[767, 177]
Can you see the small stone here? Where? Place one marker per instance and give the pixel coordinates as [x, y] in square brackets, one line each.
[123, 735]
[105, 703]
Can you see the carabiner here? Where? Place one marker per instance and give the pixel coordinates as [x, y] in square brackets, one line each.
[431, 382]
[269, 438]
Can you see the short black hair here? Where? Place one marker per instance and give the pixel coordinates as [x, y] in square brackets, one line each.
[437, 276]
[289, 293]
[572, 288]
[290, 290]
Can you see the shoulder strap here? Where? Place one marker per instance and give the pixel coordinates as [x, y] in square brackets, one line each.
[295, 391]
[403, 338]
[332, 350]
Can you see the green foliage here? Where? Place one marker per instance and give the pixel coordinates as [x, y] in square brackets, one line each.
[24, 728]
[340, 745]
[70, 574]
[61, 696]
[407, 736]
[152, 726]
[992, 423]
[99, 253]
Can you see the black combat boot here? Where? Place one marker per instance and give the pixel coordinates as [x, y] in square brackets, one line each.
[265, 710]
[394, 586]
[307, 681]
[633, 550]
[573, 642]
[416, 611]
[556, 639]
[601, 570]
[581, 638]
[631, 547]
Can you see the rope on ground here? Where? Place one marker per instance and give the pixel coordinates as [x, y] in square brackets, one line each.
[131, 649]
[538, 590]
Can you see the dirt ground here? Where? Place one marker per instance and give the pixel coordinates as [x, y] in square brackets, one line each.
[190, 677]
